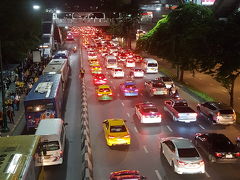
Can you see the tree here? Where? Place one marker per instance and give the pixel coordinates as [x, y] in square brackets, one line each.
[20, 29]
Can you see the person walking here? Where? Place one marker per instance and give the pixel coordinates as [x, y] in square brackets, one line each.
[10, 114]
[17, 102]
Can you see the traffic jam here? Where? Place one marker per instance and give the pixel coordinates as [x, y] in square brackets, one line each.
[138, 101]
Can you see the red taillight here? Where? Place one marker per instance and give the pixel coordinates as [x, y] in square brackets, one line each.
[61, 153]
[29, 117]
[195, 114]
[136, 90]
[111, 137]
[218, 115]
[181, 163]
[237, 154]
[154, 89]
[99, 94]
[201, 163]
[105, 79]
[110, 94]
[218, 154]
[127, 136]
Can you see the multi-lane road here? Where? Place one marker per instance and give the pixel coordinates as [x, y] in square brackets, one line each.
[143, 154]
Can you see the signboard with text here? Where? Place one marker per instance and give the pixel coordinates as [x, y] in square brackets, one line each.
[36, 56]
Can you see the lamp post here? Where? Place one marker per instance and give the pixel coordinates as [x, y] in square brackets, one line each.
[5, 126]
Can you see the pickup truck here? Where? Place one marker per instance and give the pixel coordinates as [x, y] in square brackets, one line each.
[179, 110]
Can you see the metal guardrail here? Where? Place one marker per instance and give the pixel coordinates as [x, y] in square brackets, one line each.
[83, 22]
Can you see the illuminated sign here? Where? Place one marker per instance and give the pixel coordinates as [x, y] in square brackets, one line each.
[208, 2]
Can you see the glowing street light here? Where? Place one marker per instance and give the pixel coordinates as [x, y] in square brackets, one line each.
[58, 11]
[36, 7]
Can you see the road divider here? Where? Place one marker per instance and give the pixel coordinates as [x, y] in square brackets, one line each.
[86, 151]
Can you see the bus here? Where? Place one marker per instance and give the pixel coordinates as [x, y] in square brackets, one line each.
[111, 62]
[58, 66]
[53, 136]
[45, 100]
[19, 158]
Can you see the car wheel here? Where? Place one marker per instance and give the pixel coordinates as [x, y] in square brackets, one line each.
[211, 158]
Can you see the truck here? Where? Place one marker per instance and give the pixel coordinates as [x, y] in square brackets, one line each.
[179, 110]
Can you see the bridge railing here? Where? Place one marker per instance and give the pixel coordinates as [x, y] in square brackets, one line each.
[84, 21]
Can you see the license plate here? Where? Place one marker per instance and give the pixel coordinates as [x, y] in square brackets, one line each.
[152, 116]
[229, 156]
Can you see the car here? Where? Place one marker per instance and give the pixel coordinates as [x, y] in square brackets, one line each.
[167, 81]
[126, 175]
[130, 62]
[122, 57]
[69, 37]
[182, 155]
[99, 79]
[217, 112]
[96, 69]
[136, 72]
[137, 58]
[147, 112]
[117, 72]
[128, 88]
[217, 147]
[92, 55]
[61, 55]
[104, 92]
[93, 62]
[116, 132]
[156, 87]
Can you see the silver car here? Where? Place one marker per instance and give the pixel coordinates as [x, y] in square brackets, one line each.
[182, 155]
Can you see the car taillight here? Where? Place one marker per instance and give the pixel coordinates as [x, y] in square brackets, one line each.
[237, 154]
[29, 117]
[201, 163]
[127, 136]
[218, 115]
[154, 89]
[61, 153]
[110, 94]
[136, 90]
[218, 154]
[99, 94]
[111, 137]
[105, 79]
[125, 90]
[181, 163]
[195, 114]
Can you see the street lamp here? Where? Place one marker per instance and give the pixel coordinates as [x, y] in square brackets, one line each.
[36, 7]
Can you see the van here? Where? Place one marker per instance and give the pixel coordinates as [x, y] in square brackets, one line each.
[53, 135]
[150, 65]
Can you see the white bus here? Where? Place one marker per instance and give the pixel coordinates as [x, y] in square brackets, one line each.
[52, 136]
[111, 62]
[150, 65]
[58, 66]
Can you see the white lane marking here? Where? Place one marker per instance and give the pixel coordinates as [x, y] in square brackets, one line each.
[170, 129]
[145, 149]
[201, 126]
[207, 174]
[122, 103]
[128, 114]
[135, 129]
[158, 175]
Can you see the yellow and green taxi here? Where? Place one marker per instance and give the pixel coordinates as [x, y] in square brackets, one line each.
[116, 132]
[93, 62]
[96, 69]
[104, 92]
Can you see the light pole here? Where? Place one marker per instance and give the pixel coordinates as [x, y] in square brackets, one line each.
[5, 126]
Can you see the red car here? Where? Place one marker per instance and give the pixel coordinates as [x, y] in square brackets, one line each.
[99, 79]
[126, 174]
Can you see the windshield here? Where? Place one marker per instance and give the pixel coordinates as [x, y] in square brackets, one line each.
[51, 145]
[104, 90]
[188, 152]
[226, 111]
[152, 64]
[60, 56]
[111, 61]
[158, 85]
[166, 79]
[181, 104]
[130, 86]
[150, 109]
[119, 70]
[40, 107]
[118, 129]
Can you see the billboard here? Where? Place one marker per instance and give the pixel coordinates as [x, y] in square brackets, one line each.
[36, 56]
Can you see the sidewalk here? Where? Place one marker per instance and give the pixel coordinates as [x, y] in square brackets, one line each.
[203, 83]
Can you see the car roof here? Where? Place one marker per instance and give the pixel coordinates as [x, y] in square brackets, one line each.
[182, 143]
[104, 86]
[147, 104]
[116, 122]
[220, 105]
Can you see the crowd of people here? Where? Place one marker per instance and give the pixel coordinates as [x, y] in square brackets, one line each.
[24, 78]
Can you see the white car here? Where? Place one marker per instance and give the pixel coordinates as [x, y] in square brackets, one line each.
[137, 72]
[182, 155]
[130, 63]
[148, 113]
[117, 72]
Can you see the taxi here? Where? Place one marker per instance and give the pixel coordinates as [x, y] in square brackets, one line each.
[116, 132]
[128, 88]
[104, 92]
[96, 69]
[93, 62]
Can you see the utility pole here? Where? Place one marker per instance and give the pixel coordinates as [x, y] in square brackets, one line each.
[5, 126]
